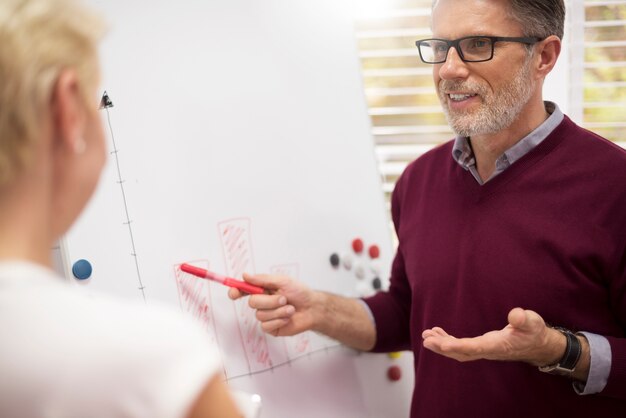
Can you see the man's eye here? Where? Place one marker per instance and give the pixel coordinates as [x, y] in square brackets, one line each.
[479, 43]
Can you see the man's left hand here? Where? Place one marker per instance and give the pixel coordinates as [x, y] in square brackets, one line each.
[526, 338]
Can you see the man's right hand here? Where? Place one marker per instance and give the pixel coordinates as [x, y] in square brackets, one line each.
[290, 307]
[285, 309]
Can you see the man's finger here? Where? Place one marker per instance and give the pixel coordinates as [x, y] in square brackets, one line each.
[235, 294]
[267, 301]
[525, 319]
[517, 318]
[266, 281]
[284, 312]
[274, 325]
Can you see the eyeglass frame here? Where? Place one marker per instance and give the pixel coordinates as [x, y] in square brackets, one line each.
[456, 44]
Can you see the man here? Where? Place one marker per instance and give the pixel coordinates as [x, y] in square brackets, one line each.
[522, 218]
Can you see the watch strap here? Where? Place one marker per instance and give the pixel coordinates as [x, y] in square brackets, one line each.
[567, 364]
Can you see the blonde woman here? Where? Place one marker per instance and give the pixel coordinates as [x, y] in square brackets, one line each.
[61, 354]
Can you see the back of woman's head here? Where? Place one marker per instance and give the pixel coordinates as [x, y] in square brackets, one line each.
[39, 39]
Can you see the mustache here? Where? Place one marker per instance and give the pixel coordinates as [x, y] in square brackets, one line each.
[455, 85]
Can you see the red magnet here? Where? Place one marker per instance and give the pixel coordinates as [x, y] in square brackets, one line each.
[357, 245]
[394, 373]
[374, 251]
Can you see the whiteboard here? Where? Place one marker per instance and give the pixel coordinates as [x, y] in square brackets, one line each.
[239, 141]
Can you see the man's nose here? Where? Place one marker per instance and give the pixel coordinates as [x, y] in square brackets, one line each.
[454, 67]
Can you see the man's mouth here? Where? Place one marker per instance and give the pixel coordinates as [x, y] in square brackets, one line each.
[457, 97]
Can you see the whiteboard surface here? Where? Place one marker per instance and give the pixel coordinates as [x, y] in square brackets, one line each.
[240, 141]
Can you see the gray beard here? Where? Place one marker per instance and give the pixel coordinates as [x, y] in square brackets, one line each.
[498, 110]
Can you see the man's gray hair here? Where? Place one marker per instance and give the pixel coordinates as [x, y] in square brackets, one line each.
[540, 18]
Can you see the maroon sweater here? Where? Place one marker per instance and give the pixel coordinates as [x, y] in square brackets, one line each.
[547, 234]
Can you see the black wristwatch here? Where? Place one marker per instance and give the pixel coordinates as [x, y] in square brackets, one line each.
[567, 364]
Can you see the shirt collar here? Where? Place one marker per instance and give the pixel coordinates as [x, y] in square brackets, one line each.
[464, 156]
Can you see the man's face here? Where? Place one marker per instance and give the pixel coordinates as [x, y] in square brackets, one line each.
[483, 97]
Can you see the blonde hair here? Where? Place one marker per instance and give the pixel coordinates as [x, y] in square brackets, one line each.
[39, 39]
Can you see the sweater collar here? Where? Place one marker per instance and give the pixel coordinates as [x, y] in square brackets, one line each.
[463, 154]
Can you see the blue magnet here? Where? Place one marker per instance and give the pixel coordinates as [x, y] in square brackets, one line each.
[82, 269]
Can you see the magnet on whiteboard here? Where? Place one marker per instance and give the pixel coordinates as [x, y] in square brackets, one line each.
[105, 102]
[394, 373]
[82, 269]
[334, 260]
[374, 251]
[357, 245]
[359, 271]
[347, 261]
[377, 284]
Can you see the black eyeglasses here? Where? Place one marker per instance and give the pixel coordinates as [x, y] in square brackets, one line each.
[469, 48]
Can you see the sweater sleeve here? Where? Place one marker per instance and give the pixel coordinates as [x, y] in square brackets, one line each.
[391, 309]
[616, 384]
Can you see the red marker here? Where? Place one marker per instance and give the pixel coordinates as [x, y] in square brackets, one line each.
[205, 274]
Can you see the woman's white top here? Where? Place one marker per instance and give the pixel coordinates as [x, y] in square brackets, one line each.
[64, 354]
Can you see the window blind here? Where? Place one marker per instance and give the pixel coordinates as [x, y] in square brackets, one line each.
[599, 66]
[405, 113]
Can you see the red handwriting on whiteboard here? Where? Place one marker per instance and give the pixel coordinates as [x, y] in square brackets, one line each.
[194, 297]
[235, 238]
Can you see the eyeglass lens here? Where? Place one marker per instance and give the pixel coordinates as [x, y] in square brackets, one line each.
[471, 49]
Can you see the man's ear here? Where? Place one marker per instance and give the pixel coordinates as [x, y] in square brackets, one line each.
[68, 111]
[548, 52]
